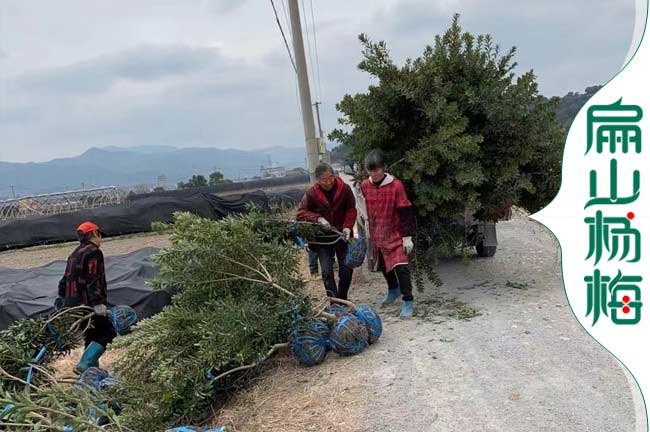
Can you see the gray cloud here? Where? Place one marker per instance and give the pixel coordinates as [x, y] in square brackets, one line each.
[224, 6]
[570, 44]
[145, 63]
[216, 73]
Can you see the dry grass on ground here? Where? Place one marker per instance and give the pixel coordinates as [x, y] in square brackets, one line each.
[292, 398]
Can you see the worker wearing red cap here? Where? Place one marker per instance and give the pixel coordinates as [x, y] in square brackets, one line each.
[84, 283]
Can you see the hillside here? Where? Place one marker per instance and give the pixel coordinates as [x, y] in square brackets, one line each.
[138, 165]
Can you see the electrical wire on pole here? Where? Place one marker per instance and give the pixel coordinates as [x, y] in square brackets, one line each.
[313, 20]
[286, 44]
[309, 50]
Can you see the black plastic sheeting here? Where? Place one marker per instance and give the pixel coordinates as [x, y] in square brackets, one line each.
[227, 187]
[135, 217]
[27, 293]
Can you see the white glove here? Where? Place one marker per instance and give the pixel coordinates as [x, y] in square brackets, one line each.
[101, 310]
[324, 223]
[347, 232]
[407, 243]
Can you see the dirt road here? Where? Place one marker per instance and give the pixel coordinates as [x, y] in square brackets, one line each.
[523, 364]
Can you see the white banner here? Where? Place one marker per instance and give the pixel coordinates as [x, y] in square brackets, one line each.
[601, 215]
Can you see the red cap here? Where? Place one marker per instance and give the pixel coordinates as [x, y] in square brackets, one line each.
[87, 227]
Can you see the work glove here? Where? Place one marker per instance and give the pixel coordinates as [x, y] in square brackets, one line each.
[101, 310]
[407, 243]
[324, 223]
[347, 232]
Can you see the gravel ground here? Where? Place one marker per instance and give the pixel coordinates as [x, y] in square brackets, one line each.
[523, 364]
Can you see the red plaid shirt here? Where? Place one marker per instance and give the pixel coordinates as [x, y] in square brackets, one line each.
[383, 204]
[84, 281]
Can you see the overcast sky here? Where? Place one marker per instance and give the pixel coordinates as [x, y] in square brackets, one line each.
[214, 73]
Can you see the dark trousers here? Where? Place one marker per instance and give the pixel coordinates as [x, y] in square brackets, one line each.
[102, 331]
[313, 262]
[400, 276]
[326, 256]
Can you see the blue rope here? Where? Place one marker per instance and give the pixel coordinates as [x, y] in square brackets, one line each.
[370, 317]
[37, 359]
[343, 330]
[7, 409]
[55, 336]
[309, 342]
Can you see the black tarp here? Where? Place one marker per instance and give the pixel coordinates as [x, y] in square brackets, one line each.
[289, 180]
[122, 219]
[286, 198]
[27, 293]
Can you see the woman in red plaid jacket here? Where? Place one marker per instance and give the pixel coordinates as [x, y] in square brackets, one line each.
[392, 224]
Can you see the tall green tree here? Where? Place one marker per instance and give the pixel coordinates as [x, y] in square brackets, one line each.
[460, 128]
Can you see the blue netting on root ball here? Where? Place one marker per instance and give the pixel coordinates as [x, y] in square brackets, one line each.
[309, 341]
[93, 378]
[340, 310]
[356, 252]
[123, 318]
[371, 318]
[349, 336]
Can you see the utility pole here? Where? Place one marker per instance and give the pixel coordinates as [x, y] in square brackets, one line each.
[303, 87]
[326, 154]
[320, 128]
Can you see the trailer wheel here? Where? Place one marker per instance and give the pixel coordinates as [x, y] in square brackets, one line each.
[485, 251]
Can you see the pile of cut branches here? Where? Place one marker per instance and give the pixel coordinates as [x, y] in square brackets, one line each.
[237, 288]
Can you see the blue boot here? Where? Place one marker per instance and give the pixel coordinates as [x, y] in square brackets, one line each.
[393, 293]
[90, 357]
[407, 310]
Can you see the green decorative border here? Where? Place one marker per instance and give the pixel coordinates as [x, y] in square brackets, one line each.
[645, 407]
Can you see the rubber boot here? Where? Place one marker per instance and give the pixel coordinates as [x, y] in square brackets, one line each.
[407, 310]
[393, 294]
[90, 357]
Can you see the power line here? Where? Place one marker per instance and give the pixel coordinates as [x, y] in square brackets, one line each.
[286, 19]
[313, 21]
[286, 44]
[311, 57]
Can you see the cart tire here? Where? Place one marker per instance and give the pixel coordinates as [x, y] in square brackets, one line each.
[485, 251]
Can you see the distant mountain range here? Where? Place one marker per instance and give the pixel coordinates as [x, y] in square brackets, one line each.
[142, 165]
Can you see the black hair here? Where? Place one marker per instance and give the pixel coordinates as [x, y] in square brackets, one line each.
[321, 169]
[375, 159]
[84, 237]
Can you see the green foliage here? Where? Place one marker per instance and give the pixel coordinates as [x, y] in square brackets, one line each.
[22, 341]
[569, 105]
[53, 406]
[45, 404]
[216, 179]
[459, 128]
[236, 285]
[195, 182]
